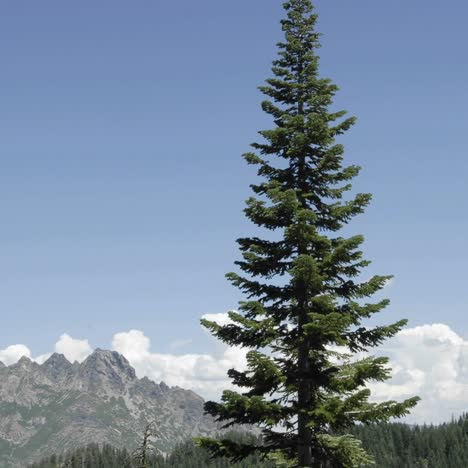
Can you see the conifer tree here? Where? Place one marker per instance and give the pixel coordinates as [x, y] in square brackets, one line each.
[305, 297]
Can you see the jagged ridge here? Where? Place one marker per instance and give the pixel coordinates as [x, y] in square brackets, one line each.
[61, 405]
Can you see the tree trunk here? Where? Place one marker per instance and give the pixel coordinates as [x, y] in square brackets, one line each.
[304, 400]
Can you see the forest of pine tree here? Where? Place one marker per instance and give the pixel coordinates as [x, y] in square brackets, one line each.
[399, 445]
[186, 455]
[393, 445]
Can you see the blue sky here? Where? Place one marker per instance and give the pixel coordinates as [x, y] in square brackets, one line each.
[121, 182]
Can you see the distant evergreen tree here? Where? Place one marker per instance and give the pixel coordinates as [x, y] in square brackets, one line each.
[303, 287]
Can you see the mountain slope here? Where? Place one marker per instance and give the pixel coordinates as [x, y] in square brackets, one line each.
[58, 406]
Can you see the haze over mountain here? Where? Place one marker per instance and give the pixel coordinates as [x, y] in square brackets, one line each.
[61, 405]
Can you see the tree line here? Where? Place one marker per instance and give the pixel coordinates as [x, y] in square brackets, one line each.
[400, 445]
[185, 455]
[393, 445]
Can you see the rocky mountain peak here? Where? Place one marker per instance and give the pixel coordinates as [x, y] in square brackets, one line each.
[57, 406]
[57, 360]
[109, 360]
[24, 361]
[24, 364]
[106, 371]
[56, 366]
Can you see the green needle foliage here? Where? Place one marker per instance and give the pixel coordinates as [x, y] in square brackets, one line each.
[305, 299]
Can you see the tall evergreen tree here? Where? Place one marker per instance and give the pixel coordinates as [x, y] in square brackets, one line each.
[304, 296]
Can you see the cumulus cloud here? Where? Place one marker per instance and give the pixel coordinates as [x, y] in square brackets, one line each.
[41, 358]
[203, 373]
[14, 353]
[429, 360]
[73, 349]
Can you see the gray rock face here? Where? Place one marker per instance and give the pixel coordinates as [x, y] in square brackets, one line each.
[59, 405]
[57, 367]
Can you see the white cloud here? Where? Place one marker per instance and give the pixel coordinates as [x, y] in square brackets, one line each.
[203, 373]
[429, 360]
[73, 349]
[14, 353]
[42, 358]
